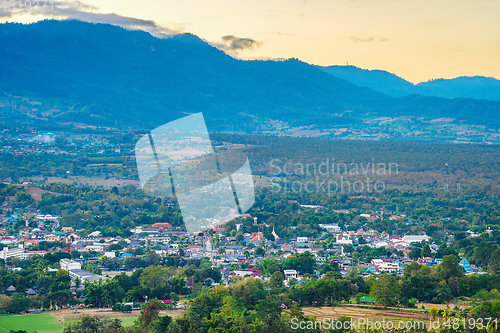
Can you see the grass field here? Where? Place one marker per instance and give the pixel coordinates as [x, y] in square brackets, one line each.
[42, 322]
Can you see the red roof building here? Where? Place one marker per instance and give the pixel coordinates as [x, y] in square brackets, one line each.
[162, 225]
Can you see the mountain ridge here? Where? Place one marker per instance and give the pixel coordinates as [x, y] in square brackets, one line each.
[99, 74]
[476, 87]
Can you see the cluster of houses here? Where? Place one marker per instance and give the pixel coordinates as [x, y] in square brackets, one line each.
[228, 254]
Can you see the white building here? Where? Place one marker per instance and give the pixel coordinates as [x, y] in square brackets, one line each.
[290, 274]
[389, 267]
[16, 252]
[330, 227]
[68, 264]
[343, 239]
[47, 217]
[415, 238]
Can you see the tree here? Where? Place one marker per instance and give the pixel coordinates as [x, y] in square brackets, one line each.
[4, 302]
[303, 262]
[260, 251]
[93, 324]
[77, 282]
[450, 268]
[149, 313]
[387, 290]
[276, 280]
[153, 278]
[426, 251]
[414, 253]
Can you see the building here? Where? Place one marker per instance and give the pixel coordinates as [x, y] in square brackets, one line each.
[331, 227]
[162, 226]
[290, 274]
[16, 252]
[39, 234]
[68, 264]
[52, 238]
[392, 267]
[367, 300]
[415, 238]
[83, 275]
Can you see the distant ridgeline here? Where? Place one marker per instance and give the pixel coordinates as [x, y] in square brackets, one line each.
[71, 72]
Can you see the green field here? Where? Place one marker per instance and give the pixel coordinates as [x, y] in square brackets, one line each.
[42, 322]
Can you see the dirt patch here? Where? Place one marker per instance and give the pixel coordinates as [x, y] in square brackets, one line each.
[67, 314]
[443, 306]
[355, 313]
[36, 192]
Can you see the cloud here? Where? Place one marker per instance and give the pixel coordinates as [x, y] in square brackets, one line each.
[74, 9]
[233, 43]
[362, 40]
[370, 39]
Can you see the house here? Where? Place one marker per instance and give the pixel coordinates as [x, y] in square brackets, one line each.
[367, 300]
[8, 240]
[162, 226]
[392, 267]
[67, 229]
[194, 249]
[290, 274]
[168, 302]
[243, 274]
[467, 266]
[39, 234]
[10, 290]
[52, 238]
[74, 235]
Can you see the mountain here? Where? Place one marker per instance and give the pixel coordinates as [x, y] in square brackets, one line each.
[377, 80]
[68, 72]
[477, 87]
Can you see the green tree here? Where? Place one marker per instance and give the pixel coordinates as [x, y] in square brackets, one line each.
[426, 251]
[149, 314]
[94, 324]
[276, 280]
[387, 290]
[450, 268]
[153, 278]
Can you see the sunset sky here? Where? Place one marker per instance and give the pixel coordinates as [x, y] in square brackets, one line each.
[416, 40]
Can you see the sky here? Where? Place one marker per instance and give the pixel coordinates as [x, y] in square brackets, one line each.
[418, 40]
